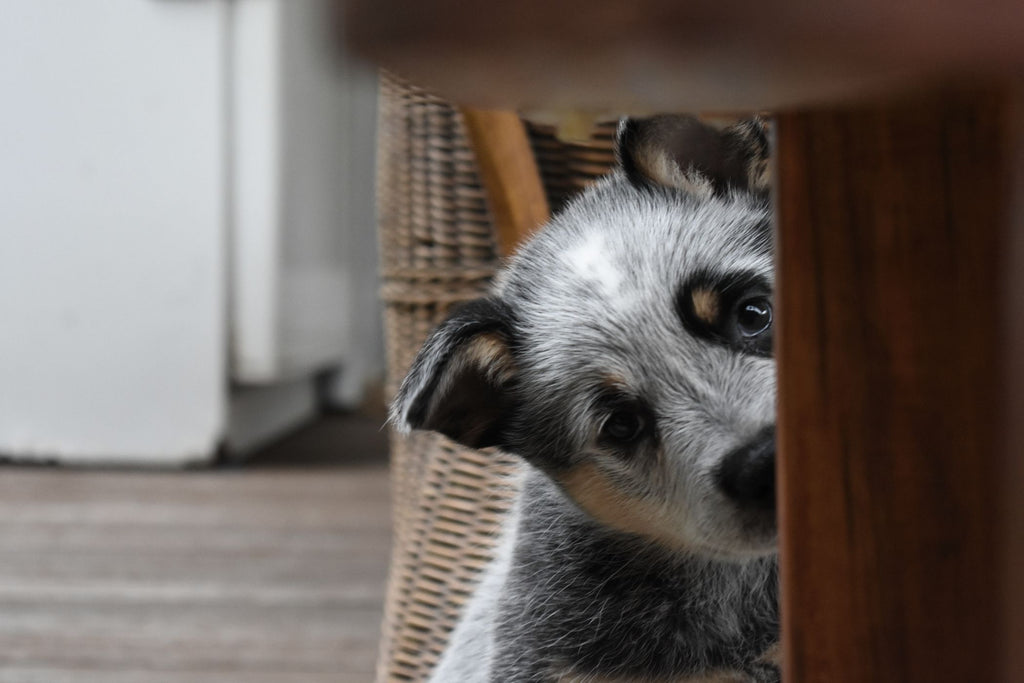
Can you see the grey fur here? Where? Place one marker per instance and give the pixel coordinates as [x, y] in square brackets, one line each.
[626, 560]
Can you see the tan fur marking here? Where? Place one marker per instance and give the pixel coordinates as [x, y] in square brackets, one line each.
[711, 677]
[657, 166]
[721, 677]
[662, 169]
[705, 305]
[597, 494]
[760, 175]
[489, 353]
[617, 382]
[773, 655]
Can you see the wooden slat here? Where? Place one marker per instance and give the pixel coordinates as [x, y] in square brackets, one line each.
[509, 173]
[893, 222]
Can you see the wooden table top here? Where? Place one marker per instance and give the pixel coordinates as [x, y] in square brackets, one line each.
[667, 54]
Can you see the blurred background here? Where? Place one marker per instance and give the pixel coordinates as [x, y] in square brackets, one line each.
[194, 483]
[189, 258]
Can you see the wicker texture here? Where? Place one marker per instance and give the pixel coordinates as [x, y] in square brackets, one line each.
[568, 167]
[438, 249]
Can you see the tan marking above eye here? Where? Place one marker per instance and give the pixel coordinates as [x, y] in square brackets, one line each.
[614, 382]
[706, 305]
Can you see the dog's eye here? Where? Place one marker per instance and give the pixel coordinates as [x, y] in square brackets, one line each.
[753, 317]
[623, 426]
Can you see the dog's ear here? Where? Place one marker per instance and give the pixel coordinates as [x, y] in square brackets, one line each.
[683, 152]
[460, 383]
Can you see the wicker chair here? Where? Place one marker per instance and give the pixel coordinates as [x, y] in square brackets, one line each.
[438, 248]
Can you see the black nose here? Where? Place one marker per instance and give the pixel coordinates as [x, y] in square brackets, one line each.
[747, 475]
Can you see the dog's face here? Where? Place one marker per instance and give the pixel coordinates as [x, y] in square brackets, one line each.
[626, 350]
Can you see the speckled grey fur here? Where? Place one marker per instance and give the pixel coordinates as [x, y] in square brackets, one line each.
[623, 562]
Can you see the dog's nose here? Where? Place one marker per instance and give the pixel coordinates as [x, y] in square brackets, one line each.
[747, 475]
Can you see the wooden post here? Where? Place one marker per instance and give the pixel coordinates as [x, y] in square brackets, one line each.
[509, 173]
[893, 226]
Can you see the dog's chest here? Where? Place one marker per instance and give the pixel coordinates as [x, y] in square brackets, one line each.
[769, 659]
[716, 677]
[591, 608]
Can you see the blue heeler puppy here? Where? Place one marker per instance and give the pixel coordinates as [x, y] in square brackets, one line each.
[625, 354]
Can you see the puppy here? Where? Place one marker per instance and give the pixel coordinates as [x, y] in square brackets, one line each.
[625, 354]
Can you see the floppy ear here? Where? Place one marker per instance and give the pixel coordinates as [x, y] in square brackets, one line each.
[682, 152]
[460, 383]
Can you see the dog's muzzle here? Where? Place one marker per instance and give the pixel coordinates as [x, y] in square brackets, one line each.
[747, 474]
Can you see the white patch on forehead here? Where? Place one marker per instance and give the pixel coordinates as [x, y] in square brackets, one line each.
[591, 262]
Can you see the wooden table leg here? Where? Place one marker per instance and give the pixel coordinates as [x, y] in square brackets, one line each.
[894, 228]
[1012, 447]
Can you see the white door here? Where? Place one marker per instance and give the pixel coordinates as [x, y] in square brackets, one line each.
[182, 243]
[112, 203]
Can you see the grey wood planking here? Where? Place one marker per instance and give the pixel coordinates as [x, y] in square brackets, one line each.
[273, 571]
[52, 675]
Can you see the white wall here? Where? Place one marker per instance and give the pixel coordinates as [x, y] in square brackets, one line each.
[186, 225]
[330, 305]
[303, 234]
[111, 248]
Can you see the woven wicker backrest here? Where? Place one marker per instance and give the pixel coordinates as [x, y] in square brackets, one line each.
[437, 250]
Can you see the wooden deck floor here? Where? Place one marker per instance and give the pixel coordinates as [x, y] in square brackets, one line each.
[269, 572]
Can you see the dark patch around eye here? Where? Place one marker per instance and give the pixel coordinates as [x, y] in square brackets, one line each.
[623, 426]
[625, 419]
[713, 306]
[611, 385]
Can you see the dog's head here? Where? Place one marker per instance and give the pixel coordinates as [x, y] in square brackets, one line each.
[626, 350]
